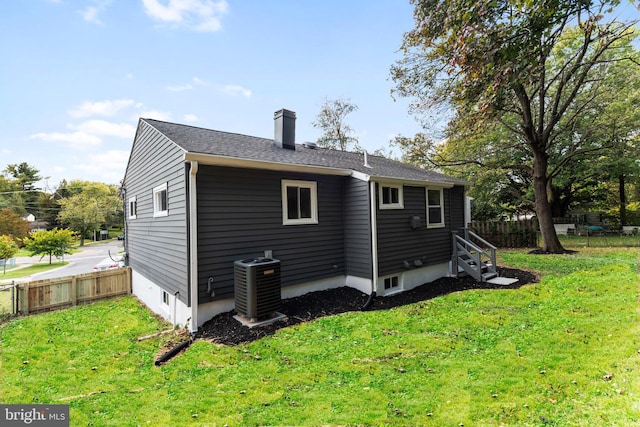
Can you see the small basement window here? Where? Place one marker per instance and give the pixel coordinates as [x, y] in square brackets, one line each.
[160, 203]
[391, 197]
[133, 207]
[165, 298]
[391, 283]
[299, 202]
[435, 208]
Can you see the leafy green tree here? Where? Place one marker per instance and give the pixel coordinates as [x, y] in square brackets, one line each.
[11, 224]
[55, 242]
[515, 62]
[11, 195]
[25, 178]
[89, 206]
[336, 133]
[8, 249]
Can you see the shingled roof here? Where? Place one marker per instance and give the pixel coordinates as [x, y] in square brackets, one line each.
[209, 142]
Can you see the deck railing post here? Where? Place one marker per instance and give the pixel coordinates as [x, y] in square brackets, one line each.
[454, 254]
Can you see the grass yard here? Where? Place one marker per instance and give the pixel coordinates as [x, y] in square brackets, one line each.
[560, 353]
[604, 241]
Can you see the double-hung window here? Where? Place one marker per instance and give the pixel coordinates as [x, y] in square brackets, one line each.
[390, 196]
[133, 207]
[160, 201]
[435, 208]
[299, 202]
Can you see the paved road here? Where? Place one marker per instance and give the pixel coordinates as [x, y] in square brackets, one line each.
[79, 262]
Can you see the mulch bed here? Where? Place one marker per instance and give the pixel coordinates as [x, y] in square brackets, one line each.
[224, 329]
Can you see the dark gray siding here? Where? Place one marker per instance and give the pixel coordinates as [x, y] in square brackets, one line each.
[457, 197]
[157, 247]
[240, 216]
[398, 242]
[357, 224]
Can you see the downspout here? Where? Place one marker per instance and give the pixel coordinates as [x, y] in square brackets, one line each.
[374, 245]
[193, 247]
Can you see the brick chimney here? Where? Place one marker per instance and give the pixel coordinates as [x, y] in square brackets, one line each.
[285, 129]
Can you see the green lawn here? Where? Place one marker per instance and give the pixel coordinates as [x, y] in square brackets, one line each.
[560, 353]
[619, 241]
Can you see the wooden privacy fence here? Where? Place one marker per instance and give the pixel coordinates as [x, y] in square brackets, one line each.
[63, 292]
[508, 234]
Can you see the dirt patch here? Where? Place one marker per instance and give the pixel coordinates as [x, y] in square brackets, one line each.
[176, 338]
[562, 252]
[224, 329]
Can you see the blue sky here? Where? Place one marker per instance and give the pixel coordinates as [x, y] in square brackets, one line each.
[77, 74]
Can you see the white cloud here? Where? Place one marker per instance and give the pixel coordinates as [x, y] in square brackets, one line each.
[108, 165]
[6, 151]
[75, 140]
[179, 88]
[90, 13]
[104, 108]
[196, 81]
[157, 115]
[200, 15]
[103, 127]
[190, 118]
[235, 90]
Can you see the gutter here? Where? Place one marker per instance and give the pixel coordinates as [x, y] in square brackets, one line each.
[193, 247]
[374, 244]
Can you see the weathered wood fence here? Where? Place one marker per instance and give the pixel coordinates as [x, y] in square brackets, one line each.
[62, 292]
[508, 234]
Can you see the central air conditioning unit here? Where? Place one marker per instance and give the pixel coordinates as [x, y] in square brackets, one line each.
[257, 288]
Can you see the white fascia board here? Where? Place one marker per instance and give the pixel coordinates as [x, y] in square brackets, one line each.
[361, 176]
[413, 182]
[234, 162]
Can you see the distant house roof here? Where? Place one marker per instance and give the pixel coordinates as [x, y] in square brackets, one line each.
[200, 143]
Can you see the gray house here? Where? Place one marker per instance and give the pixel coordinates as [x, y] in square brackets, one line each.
[196, 200]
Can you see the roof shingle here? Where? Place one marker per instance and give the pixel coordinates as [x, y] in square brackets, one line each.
[216, 143]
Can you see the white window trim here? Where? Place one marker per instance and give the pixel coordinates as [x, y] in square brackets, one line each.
[164, 298]
[441, 223]
[132, 200]
[156, 211]
[396, 289]
[165, 301]
[313, 186]
[399, 205]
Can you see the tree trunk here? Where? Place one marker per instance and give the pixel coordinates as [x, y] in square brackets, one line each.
[550, 242]
[623, 200]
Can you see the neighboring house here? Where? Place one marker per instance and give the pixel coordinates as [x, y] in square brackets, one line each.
[196, 200]
[34, 224]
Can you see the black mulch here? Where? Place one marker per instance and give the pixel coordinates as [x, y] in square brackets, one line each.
[224, 329]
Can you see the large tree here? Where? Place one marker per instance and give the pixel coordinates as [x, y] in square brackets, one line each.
[25, 178]
[89, 206]
[11, 224]
[336, 133]
[516, 62]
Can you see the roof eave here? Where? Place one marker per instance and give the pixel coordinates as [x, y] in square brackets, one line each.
[236, 162]
[410, 181]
